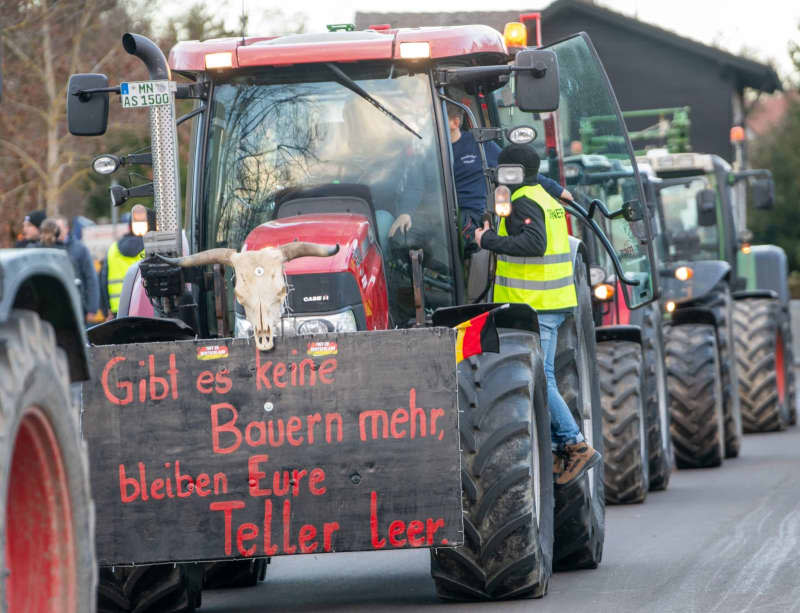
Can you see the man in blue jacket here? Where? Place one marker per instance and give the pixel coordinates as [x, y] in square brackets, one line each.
[83, 265]
[469, 179]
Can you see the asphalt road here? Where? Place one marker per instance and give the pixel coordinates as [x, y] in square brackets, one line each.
[717, 541]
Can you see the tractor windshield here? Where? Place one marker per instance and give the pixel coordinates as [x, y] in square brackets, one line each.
[684, 237]
[307, 132]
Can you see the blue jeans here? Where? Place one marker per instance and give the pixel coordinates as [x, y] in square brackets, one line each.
[563, 429]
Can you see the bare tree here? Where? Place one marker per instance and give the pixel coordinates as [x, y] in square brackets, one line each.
[45, 41]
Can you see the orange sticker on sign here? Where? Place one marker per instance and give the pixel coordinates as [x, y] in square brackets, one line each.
[212, 352]
[319, 348]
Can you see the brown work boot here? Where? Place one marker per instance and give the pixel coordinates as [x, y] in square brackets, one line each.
[558, 464]
[578, 458]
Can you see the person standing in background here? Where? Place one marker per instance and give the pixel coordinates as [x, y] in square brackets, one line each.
[84, 269]
[122, 254]
[30, 228]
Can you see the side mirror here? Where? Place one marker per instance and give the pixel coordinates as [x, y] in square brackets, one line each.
[87, 114]
[763, 193]
[706, 201]
[536, 74]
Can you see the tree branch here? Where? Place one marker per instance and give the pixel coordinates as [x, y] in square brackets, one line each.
[25, 157]
[28, 107]
[22, 56]
[11, 192]
[78, 174]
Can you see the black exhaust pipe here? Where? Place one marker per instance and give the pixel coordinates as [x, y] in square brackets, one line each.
[147, 51]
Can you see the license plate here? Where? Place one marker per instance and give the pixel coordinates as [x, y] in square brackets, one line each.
[139, 94]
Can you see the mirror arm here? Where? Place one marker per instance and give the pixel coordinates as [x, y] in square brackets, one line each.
[740, 175]
[86, 94]
[586, 217]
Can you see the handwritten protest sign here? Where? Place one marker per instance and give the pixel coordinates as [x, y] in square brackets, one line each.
[205, 450]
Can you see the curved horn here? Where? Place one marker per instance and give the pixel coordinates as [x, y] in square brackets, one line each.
[298, 250]
[202, 258]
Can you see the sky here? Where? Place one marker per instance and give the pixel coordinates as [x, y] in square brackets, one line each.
[763, 28]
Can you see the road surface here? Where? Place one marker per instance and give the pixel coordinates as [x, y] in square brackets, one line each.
[717, 541]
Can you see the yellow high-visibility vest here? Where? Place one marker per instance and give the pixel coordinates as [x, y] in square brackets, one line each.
[118, 265]
[546, 283]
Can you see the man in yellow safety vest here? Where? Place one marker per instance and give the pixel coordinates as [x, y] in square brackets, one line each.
[534, 266]
[121, 255]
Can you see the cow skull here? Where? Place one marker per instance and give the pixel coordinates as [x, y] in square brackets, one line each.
[260, 282]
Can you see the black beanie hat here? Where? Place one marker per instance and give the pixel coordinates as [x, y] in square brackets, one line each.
[521, 154]
[36, 218]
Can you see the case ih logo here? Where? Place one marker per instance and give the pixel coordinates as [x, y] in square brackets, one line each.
[323, 298]
[212, 352]
[320, 348]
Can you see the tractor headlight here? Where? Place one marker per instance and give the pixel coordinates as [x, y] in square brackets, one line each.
[105, 164]
[343, 321]
[603, 292]
[314, 326]
[521, 135]
[502, 201]
[684, 273]
[510, 174]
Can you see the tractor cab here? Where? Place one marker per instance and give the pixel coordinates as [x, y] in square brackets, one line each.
[359, 154]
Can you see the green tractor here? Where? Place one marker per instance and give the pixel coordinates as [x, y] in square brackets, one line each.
[702, 216]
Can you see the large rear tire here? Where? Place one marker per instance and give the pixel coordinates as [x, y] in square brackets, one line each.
[695, 395]
[234, 573]
[47, 557]
[507, 477]
[765, 372]
[627, 470]
[657, 418]
[580, 507]
[160, 588]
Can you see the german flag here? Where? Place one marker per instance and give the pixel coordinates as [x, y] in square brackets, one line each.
[478, 335]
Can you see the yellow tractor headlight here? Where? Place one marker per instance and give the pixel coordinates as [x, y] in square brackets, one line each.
[603, 292]
[502, 201]
[684, 273]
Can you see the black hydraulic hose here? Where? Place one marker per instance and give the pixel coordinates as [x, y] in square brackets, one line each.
[147, 51]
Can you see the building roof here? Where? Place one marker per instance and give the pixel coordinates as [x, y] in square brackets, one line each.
[749, 73]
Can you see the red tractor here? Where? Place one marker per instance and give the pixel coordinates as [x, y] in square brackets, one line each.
[340, 139]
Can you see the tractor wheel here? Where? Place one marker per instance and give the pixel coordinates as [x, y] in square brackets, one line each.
[695, 395]
[657, 419]
[159, 588]
[47, 556]
[507, 477]
[233, 574]
[580, 507]
[627, 474]
[722, 306]
[788, 357]
[761, 354]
